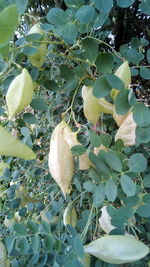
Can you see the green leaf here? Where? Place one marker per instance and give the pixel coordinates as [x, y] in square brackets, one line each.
[89, 186]
[69, 33]
[113, 161]
[146, 198]
[98, 195]
[117, 249]
[78, 247]
[141, 115]
[29, 118]
[101, 87]
[147, 181]
[35, 243]
[104, 62]
[100, 20]
[32, 226]
[121, 102]
[125, 3]
[66, 72]
[19, 228]
[114, 81]
[145, 7]
[128, 185]
[51, 85]
[85, 14]
[137, 163]
[74, 3]
[78, 150]
[148, 55]
[145, 73]
[134, 56]
[49, 242]
[105, 139]
[57, 17]
[144, 211]
[39, 104]
[23, 245]
[110, 190]
[21, 5]
[99, 163]
[7, 25]
[89, 45]
[104, 5]
[95, 139]
[142, 135]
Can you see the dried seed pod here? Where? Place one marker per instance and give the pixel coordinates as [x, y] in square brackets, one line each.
[61, 162]
[20, 93]
[70, 215]
[124, 73]
[117, 249]
[38, 58]
[118, 118]
[71, 139]
[10, 146]
[126, 131]
[91, 105]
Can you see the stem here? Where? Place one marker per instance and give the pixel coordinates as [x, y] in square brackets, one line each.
[87, 225]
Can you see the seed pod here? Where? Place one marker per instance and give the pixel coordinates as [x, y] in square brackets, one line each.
[70, 215]
[124, 73]
[91, 105]
[10, 222]
[126, 131]
[71, 139]
[38, 58]
[117, 249]
[61, 163]
[20, 93]
[105, 106]
[10, 146]
[118, 118]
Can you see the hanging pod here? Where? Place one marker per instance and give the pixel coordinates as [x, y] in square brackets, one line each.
[91, 107]
[38, 58]
[61, 162]
[105, 106]
[10, 146]
[71, 139]
[20, 93]
[124, 73]
[126, 131]
[117, 249]
[70, 215]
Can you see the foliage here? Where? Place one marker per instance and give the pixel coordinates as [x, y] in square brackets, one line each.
[72, 52]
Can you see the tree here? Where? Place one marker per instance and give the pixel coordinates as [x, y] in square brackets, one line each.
[74, 74]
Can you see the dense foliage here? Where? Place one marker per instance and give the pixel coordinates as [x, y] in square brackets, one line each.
[83, 66]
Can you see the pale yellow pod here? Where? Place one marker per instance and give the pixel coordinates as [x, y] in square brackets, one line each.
[10, 146]
[20, 93]
[71, 139]
[105, 106]
[38, 58]
[70, 215]
[91, 107]
[119, 118]
[61, 162]
[9, 223]
[124, 73]
[126, 131]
